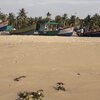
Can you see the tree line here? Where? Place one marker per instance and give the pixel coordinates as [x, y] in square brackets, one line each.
[22, 20]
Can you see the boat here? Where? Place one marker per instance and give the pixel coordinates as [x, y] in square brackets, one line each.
[49, 29]
[24, 31]
[89, 34]
[3, 25]
[49, 33]
[66, 32]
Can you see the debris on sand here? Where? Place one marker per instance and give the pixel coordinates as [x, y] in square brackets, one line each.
[38, 95]
[18, 78]
[78, 74]
[60, 86]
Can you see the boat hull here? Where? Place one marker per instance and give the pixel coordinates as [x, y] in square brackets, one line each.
[49, 33]
[66, 32]
[90, 34]
[3, 28]
[3, 25]
[25, 31]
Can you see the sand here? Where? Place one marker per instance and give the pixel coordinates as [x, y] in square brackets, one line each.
[44, 61]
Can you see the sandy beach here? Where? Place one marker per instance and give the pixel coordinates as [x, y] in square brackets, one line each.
[44, 61]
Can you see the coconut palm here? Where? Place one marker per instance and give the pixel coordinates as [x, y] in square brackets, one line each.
[72, 20]
[87, 22]
[22, 19]
[65, 20]
[77, 21]
[59, 20]
[95, 20]
[11, 18]
[31, 21]
[3, 16]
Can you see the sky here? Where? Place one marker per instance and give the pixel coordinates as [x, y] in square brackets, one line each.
[36, 8]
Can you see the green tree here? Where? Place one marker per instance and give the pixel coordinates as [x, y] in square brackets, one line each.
[95, 20]
[11, 18]
[65, 20]
[3, 16]
[59, 20]
[31, 21]
[22, 19]
[77, 21]
[88, 22]
[72, 21]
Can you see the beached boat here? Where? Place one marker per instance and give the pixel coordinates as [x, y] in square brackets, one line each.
[66, 32]
[49, 33]
[24, 31]
[3, 25]
[90, 34]
[48, 29]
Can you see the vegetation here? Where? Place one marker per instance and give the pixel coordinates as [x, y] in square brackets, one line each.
[2, 16]
[22, 20]
[11, 18]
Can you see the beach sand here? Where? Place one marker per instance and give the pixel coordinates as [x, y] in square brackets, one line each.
[44, 61]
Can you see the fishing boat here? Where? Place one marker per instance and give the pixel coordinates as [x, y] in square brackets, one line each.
[89, 34]
[49, 33]
[3, 25]
[66, 32]
[49, 29]
[24, 31]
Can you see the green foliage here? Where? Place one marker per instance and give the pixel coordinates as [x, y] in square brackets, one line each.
[72, 20]
[11, 18]
[31, 21]
[2, 16]
[65, 20]
[59, 20]
[23, 21]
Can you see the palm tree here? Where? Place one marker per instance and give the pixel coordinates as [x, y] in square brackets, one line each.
[59, 20]
[31, 21]
[3, 16]
[65, 20]
[95, 20]
[77, 21]
[11, 18]
[72, 21]
[22, 19]
[88, 22]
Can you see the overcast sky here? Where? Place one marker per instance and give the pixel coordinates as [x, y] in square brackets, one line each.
[56, 7]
